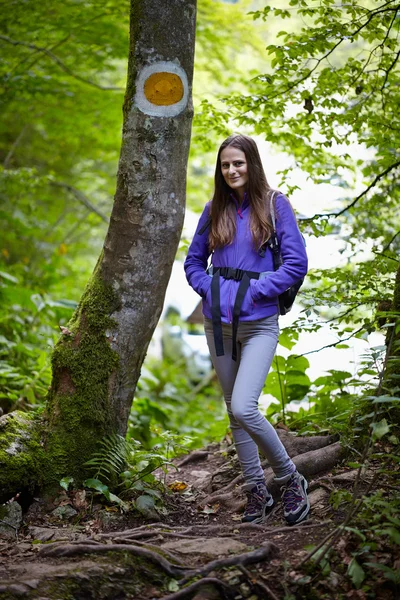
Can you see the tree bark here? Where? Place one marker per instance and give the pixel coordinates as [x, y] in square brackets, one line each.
[390, 381]
[97, 365]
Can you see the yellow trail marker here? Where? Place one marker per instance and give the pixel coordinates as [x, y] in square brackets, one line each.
[163, 89]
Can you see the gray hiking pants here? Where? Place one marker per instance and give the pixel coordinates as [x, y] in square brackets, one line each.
[242, 382]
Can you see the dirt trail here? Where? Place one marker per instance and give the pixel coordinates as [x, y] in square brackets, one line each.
[199, 549]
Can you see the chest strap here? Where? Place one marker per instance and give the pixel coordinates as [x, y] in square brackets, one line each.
[244, 278]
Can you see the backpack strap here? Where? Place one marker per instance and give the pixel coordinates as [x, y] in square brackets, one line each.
[244, 278]
[205, 226]
[272, 242]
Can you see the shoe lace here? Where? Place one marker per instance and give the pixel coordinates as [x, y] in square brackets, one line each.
[254, 500]
[291, 496]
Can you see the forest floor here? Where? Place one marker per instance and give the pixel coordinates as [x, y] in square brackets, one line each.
[198, 548]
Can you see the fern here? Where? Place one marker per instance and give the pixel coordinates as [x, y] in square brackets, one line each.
[109, 461]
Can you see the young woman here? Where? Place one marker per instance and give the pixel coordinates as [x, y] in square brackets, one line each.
[240, 307]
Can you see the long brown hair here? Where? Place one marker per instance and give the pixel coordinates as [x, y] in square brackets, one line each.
[223, 210]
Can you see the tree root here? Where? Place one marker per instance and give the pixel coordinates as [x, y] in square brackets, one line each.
[193, 457]
[256, 583]
[173, 570]
[167, 553]
[163, 533]
[172, 531]
[247, 558]
[227, 590]
[147, 528]
[203, 530]
[75, 550]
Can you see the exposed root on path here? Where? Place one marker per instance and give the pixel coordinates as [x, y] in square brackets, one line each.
[257, 583]
[204, 530]
[193, 457]
[267, 551]
[202, 538]
[79, 549]
[173, 568]
[227, 590]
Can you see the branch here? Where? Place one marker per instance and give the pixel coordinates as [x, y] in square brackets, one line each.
[356, 199]
[382, 44]
[14, 146]
[334, 344]
[60, 63]
[390, 242]
[37, 59]
[345, 313]
[80, 196]
[385, 256]
[389, 69]
[343, 38]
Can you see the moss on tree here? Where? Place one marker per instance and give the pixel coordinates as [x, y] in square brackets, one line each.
[78, 412]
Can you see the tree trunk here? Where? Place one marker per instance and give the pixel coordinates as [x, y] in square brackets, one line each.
[97, 365]
[390, 382]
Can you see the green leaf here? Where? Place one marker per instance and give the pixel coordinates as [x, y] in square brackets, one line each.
[380, 429]
[288, 338]
[356, 573]
[8, 277]
[384, 399]
[145, 503]
[96, 484]
[65, 482]
[173, 585]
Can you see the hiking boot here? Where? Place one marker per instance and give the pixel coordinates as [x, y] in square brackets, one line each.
[296, 504]
[259, 502]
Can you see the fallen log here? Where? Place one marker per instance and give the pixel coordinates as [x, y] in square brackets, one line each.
[297, 444]
[309, 464]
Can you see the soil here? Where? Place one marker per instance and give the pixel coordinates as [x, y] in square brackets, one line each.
[176, 552]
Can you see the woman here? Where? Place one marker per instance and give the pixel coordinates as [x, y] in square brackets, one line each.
[240, 306]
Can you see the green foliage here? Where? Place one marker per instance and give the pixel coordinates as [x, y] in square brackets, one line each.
[110, 458]
[329, 98]
[287, 380]
[59, 146]
[124, 465]
[167, 400]
[65, 482]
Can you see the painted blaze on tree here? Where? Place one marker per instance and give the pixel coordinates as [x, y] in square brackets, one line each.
[162, 89]
[97, 366]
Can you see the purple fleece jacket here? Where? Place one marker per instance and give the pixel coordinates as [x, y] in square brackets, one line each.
[261, 299]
